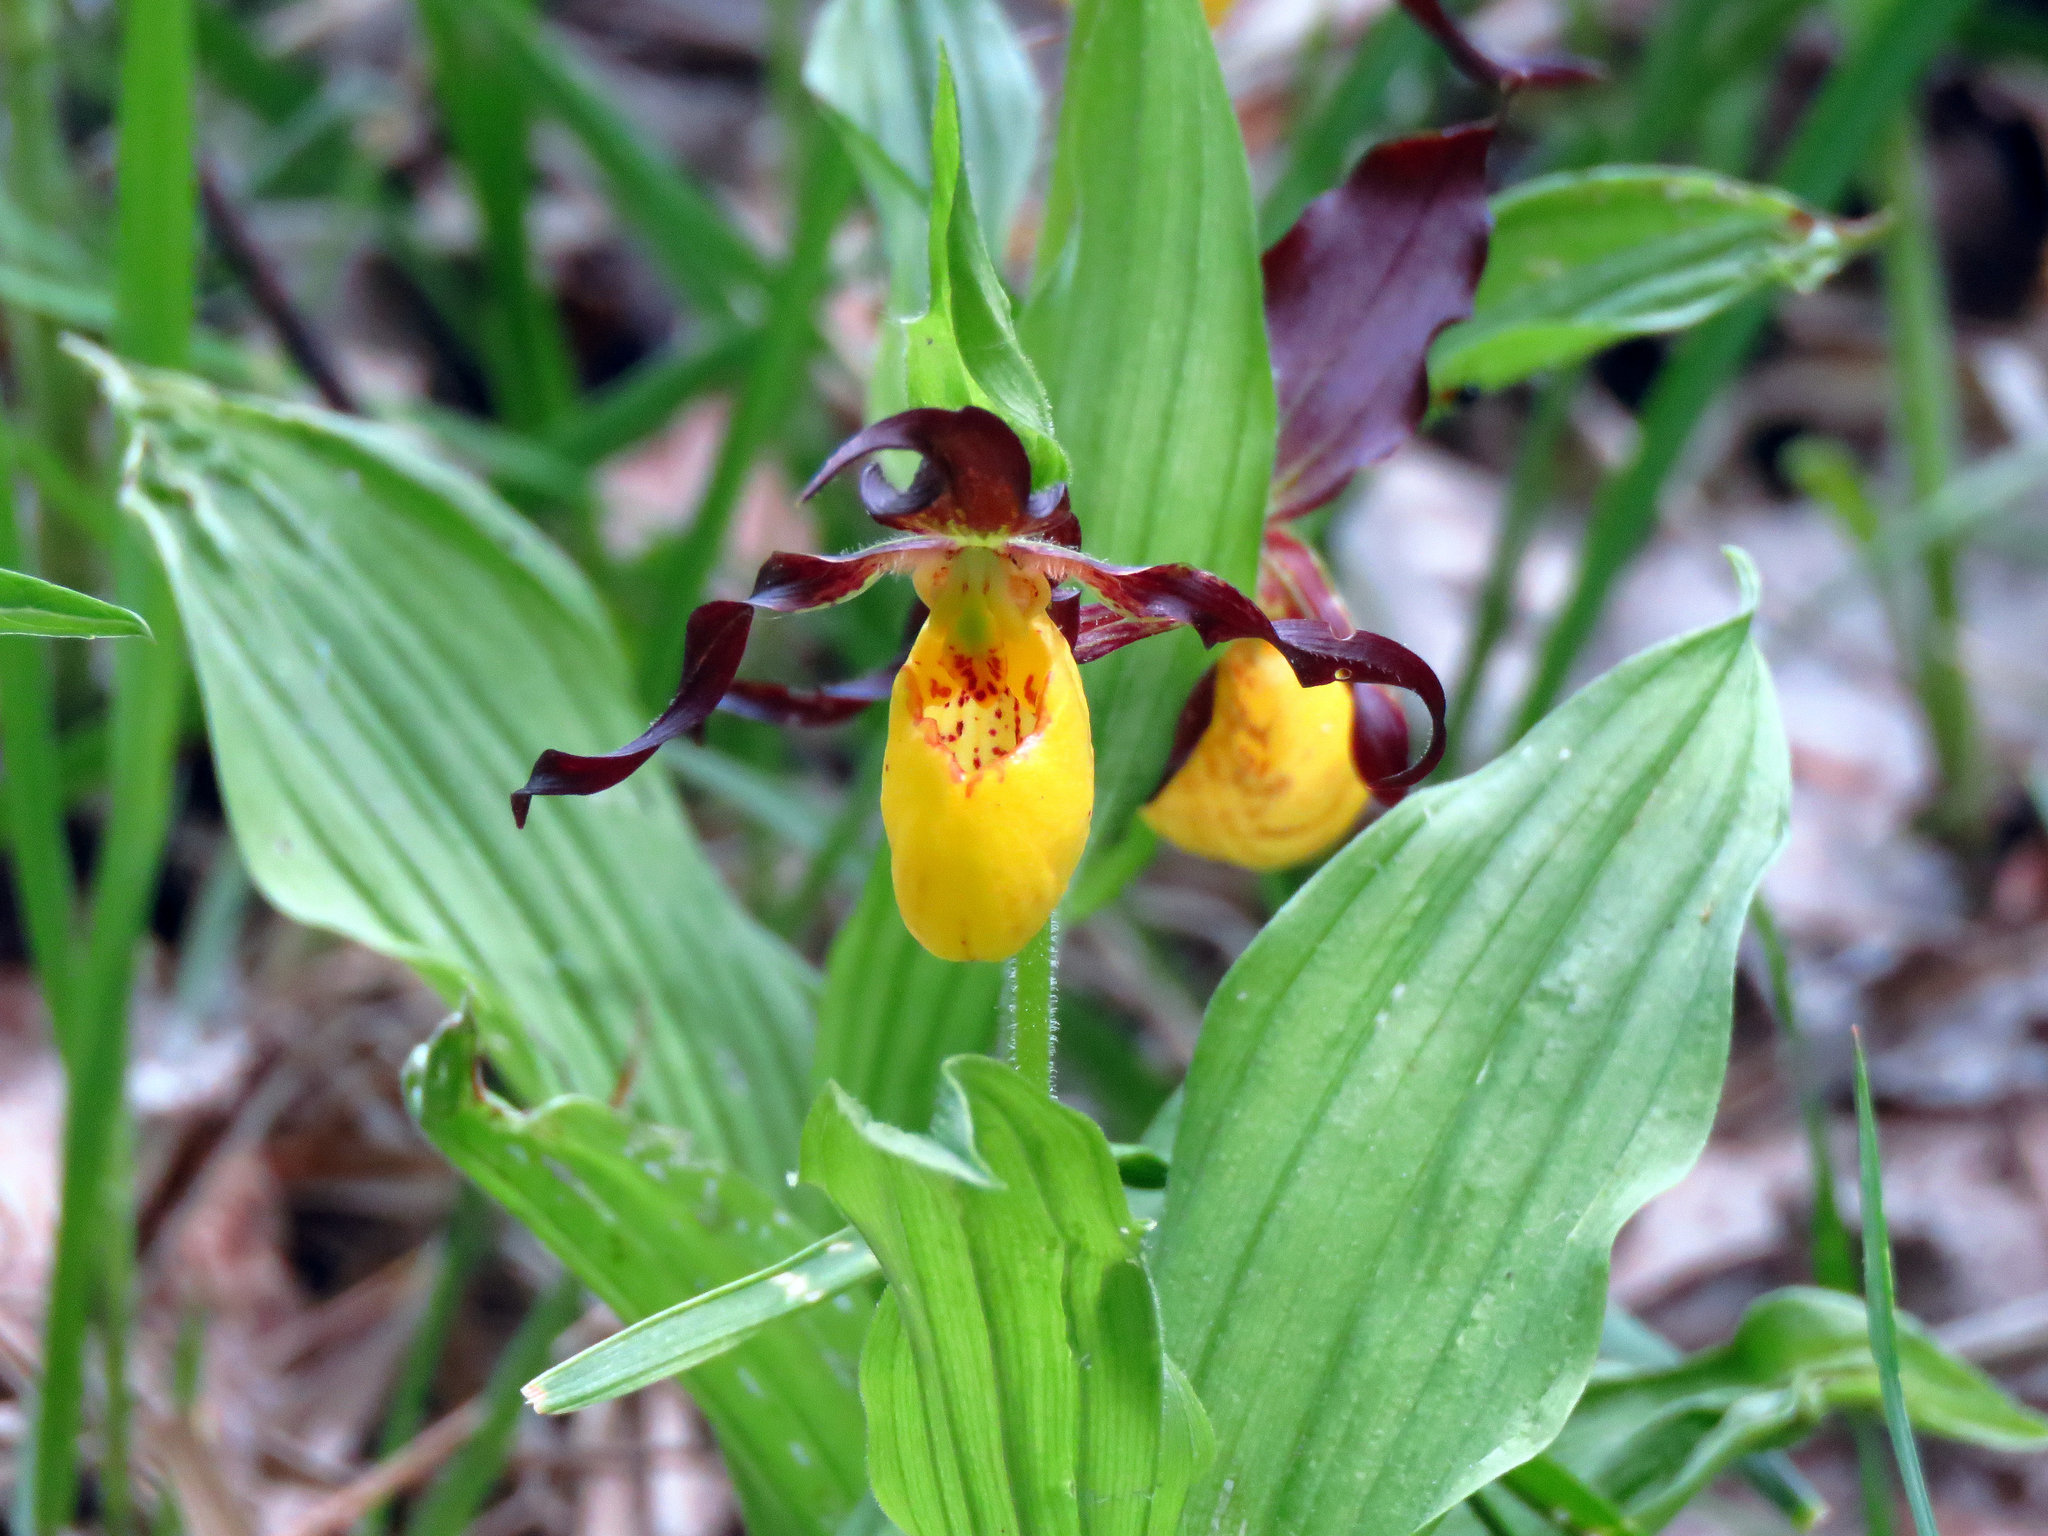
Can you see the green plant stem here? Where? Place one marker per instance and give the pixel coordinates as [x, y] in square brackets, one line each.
[1861, 96]
[34, 786]
[1880, 1295]
[1833, 1253]
[157, 221]
[1529, 489]
[1930, 427]
[1031, 981]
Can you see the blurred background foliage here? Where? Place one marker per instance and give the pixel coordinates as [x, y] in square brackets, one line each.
[628, 260]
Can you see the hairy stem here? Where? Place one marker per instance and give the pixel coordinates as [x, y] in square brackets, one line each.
[1031, 981]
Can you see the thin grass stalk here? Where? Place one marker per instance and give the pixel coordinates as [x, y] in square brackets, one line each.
[1531, 484]
[457, 1495]
[483, 98]
[1832, 1251]
[1930, 428]
[463, 1245]
[155, 285]
[34, 785]
[1880, 1294]
[1031, 984]
[1831, 1247]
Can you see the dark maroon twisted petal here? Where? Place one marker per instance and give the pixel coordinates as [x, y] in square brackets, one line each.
[713, 643]
[976, 477]
[1355, 294]
[1101, 629]
[1501, 74]
[1379, 741]
[1190, 726]
[1167, 595]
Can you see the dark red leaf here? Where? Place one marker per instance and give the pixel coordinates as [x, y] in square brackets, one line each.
[1167, 595]
[1379, 741]
[1501, 74]
[976, 477]
[714, 642]
[1355, 293]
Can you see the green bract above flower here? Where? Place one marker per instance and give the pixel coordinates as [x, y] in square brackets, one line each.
[988, 780]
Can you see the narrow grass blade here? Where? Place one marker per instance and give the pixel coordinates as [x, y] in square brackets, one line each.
[483, 102]
[1555, 1492]
[1880, 1297]
[704, 1327]
[706, 259]
[457, 1496]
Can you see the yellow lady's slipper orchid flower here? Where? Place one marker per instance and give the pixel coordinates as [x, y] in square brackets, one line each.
[1271, 781]
[988, 780]
[989, 776]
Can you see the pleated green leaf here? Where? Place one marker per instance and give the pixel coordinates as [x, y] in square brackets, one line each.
[963, 349]
[382, 648]
[1653, 1439]
[31, 606]
[645, 1223]
[1147, 324]
[875, 63]
[1584, 259]
[1014, 1376]
[703, 1327]
[892, 1011]
[1429, 1094]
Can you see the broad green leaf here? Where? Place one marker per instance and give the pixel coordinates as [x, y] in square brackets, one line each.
[1652, 1438]
[892, 1011]
[874, 64]
[382, 648]
[1147, 324]
[1584, 259]
[31, 606]
[645, 1223]
[963, 349]
[1014, 1376]
[683, 229]
[704, 1327]
[1431, 1091]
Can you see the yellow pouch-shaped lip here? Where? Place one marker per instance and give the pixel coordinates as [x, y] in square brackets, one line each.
[988, 781]
[1272, 781]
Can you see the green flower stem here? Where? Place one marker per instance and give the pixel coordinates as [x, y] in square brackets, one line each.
[1031, 982]
[1929, 419]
